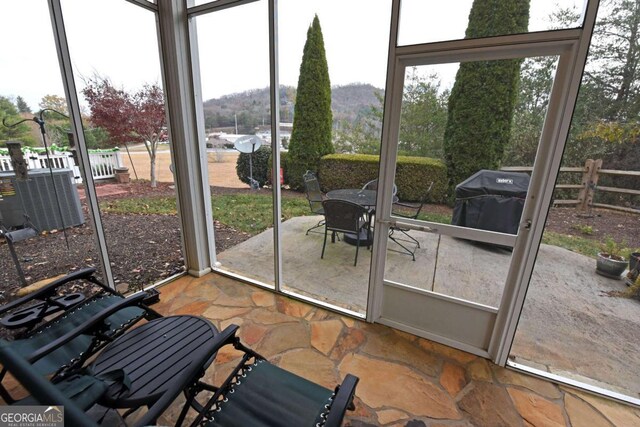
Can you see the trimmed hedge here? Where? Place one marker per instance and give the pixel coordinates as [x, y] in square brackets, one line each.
[413, 175]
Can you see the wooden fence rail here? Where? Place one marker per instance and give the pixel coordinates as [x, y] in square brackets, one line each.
[591, 173]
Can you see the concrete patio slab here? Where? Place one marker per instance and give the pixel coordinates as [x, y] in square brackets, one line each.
[568, 325]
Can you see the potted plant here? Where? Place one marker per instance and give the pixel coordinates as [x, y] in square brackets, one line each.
[633, 275]
[611, 261]
[634, 260]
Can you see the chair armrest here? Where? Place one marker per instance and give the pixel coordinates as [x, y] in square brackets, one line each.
[342, 401]
[86, 326]
[49, 290]
[43, 391]
[227, 336]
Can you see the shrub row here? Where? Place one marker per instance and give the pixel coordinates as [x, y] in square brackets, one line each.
[413, 175]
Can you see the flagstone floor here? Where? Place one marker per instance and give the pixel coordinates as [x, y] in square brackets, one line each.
[404, 380]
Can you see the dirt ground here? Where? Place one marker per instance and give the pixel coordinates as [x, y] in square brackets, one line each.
[221, 167]
[623, 228]
[144, 249]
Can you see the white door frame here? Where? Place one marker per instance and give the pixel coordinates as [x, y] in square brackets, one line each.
[571, 46]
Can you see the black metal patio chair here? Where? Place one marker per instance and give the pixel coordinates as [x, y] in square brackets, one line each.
[27, 231]
[41, 317]
[373, 185]
[260, 394]
[148, 367]
[314, 197]
[411, 211]
[345, 217]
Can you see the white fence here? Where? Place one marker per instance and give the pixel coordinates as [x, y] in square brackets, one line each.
[103, 165]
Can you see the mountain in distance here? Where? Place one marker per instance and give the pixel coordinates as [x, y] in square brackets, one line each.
[251, 108]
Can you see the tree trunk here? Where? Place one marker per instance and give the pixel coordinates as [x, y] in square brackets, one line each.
[152, 161]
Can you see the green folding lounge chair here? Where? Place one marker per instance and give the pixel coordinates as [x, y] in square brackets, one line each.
[148, 366]
[31, 315]
[260, 394]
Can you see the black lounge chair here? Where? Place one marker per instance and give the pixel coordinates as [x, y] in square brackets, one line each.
[346, 217]
[32, 316]
[260, 394]
[148, 366]
[314, 197]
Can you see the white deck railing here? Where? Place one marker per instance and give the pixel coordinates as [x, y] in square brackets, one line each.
[103, 165]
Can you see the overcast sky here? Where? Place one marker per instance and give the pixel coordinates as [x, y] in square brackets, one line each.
[118, 40]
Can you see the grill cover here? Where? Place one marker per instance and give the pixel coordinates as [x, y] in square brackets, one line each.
[491, 200]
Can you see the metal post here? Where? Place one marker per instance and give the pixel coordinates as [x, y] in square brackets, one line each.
[64, 58]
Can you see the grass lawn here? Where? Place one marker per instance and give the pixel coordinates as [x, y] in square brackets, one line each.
[251, 213]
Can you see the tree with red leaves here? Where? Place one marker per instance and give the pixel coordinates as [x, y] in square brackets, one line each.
[129, 117]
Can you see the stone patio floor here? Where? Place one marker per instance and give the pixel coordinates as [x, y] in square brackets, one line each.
[404, 380]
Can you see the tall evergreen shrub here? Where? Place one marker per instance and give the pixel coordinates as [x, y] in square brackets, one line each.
[483, 97]
[311, 134]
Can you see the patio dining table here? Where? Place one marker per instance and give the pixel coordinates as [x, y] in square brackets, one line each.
[364, 198]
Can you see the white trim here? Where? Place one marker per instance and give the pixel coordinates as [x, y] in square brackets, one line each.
[554, 36]
[378, 257]
[166, 280]
[242, 278]
[71, 94]
[475, 234]
[433, 337]
[544, 177]
[546, 43]
[187, 136]
[290, 294]
[214, 6]
[444, 297]
[204, 160]
[323, 304]
[575, 384]
[274, 94]
[145, 4]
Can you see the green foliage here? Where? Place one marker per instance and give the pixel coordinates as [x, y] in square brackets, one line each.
[576, 244]
[483, 96]
[248, 213]
[422, 123]
[615, 249]
[260, 166]
[22, 132]
[583, 228]
[22, 105]
[284, 156]
[424, 116]
[413, 174]
[253, 213]
[536, 78]
[311, 134]
[54, 102]
[362, 136]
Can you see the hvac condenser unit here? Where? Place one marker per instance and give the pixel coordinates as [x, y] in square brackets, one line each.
[36, 197]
